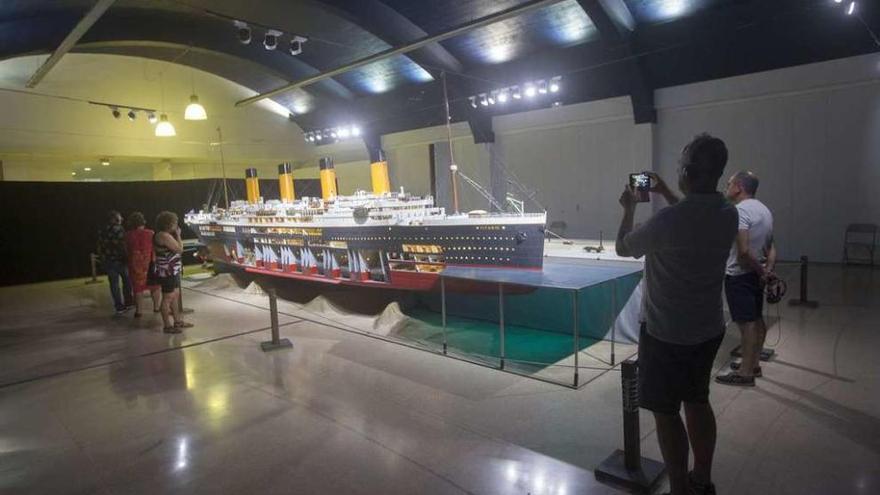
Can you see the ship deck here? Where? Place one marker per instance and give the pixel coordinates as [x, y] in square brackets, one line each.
[558, 273]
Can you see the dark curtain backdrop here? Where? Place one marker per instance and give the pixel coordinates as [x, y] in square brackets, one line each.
[48, 229]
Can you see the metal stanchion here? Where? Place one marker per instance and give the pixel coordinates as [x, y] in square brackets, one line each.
[804, 300]
[575, 331]
[627, 467]
[501, 320]
[93, 260]
[613, 318]
[277, 342]
[443, 309]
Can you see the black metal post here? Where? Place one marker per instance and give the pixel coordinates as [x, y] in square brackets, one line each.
[804, 300]
[627, 467]
[277, 342]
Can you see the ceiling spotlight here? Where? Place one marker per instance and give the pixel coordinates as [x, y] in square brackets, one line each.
[318, 136]
[851, 9]
[296, 45]
[516, 93]
[165, 128]
[131, 115]
[837, 1]
[491, 98]
[195, 110]
[87, 169]
[483, 100]
[355, 131]
[244, 32]
[105, 162]
[344, 132]
[530, 91]
[151, 118]
[270, 41]
[503, 95]
[542, 87]
[473, 101]
[115, 112]
[554, 84]
[73, 173]
[333, 134]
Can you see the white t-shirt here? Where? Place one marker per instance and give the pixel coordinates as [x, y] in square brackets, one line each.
[686, 247]
[757, 219]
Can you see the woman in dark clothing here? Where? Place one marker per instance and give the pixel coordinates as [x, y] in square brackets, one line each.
[168, 248]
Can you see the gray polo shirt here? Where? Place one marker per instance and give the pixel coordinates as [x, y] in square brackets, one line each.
[686, 247]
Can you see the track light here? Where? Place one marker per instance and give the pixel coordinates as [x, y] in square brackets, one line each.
[483, 100]
[270, 41]
[355, 131]
[851, 9]
[105, 162]
[531, 91]
[165, 128]
[491, 98]
[151, 118]
[115, 112]
[554, 84]
[516, 93]
[344, 132]
[542, 87]
[503, 96]
[318, 136]
[296, 45]
[244, 32]
[131, 115]
[473, 101]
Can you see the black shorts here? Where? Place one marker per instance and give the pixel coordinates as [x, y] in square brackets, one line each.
[745, 297]
[670, 374]
[168, 284]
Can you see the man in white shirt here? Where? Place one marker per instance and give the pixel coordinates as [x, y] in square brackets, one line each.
[686, 247]
[749, 267]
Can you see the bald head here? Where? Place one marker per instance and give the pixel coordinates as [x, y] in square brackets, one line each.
[742, 185]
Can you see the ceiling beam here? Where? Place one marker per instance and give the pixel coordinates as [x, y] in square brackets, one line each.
[70, 40]
[400, 50]
[616, 24]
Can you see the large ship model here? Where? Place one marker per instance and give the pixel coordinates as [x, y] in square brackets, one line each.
[380, 238]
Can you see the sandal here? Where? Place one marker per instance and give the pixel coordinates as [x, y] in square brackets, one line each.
[735, 366]
[172, 329]
[183, 324]
[736, 379]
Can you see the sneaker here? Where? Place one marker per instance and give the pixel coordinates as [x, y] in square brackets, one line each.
[699, 488]
[736, 379]
[757, 372]
[172, 330]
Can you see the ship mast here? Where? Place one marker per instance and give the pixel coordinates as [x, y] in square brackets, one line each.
[223, 167]
[453, 168]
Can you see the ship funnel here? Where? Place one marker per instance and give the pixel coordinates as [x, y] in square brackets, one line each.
[379, 173]
[285, 183]
[253, 185]
[328, 178]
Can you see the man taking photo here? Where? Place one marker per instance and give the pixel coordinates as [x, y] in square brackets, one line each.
[749, 268]
[686, 247]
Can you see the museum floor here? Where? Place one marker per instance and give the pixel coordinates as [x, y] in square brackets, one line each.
[90, 403]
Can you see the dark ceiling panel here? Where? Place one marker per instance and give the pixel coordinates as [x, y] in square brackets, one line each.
[562, 24]
[651, 11]
[385, 75]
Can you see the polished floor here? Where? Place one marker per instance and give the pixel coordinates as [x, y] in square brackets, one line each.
[91, 403]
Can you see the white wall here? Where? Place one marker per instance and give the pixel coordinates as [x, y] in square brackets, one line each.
[811, 134]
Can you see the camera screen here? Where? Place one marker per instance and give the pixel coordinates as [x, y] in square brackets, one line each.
[640, 182]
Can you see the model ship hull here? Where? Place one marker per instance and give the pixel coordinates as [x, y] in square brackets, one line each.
[404, 257]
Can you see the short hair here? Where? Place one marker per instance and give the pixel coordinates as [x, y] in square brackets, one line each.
[112, 215]
[748, 181]
[135, 219]
[705, 157]
[165, 220]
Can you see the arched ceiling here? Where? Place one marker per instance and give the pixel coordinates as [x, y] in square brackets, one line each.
[602, 48]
